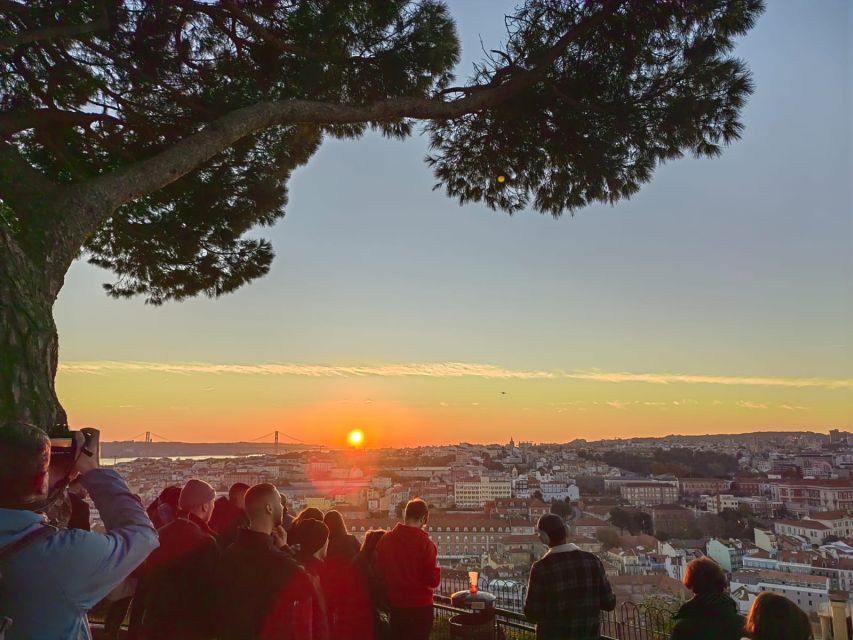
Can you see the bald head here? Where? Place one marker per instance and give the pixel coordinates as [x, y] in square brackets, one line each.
[263, 506]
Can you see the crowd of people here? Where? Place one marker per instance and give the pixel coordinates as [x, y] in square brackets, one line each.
[194, 567]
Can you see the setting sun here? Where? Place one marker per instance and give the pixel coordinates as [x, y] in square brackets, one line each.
[355, 437]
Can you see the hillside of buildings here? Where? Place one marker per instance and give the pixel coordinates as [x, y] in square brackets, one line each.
[775, 510]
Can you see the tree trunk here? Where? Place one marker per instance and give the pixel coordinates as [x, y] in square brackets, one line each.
[29, 347]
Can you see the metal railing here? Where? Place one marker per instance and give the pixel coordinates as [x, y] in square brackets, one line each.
[628, 622]
[509, 593]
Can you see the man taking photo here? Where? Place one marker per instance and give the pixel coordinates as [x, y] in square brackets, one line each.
[567, 588]
[50, 578]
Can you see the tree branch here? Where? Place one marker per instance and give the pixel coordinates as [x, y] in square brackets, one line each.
[54, 32]
[91, 203]
[15, 121]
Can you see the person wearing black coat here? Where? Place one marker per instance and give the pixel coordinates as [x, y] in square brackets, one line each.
[268, 595]
[710, 614]
[177, 596]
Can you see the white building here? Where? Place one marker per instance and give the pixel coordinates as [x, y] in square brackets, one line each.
[726, 553]
[475, 494]
[806, 591]
[813, 531]
[556, 490]
[766, 540]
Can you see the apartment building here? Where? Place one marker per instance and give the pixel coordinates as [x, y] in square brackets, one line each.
[806, 591]
[672, 518]
[647, 494]
[703, 486]
[727, 553]
[474, 494]
[457, 536]
[809, 495]
[814, 532]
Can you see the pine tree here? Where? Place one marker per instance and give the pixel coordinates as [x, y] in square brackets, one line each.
[150, 137]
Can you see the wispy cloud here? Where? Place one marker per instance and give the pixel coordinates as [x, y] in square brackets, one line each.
[746, 404]
[444, 370]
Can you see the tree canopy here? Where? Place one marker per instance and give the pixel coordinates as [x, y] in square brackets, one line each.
[582, 102]
[152, 137]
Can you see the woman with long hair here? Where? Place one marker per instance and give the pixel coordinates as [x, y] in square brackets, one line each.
[342, 544]
[374, 591]
[346, 593]
[774, 617]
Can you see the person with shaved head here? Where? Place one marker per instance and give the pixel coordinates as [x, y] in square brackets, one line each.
[268, 594]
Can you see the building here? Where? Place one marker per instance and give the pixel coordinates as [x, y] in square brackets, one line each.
[727, 553]
[814, 532]
[814, 495]
[457, 536]
[636, 588]
[806, 591]
[703, 486]
[720, 502]
[475, 494]
[840, 523]
[647, 494]
[672, 519]
[560, 491]
[766, 540]
[747, 486]
[589, 527]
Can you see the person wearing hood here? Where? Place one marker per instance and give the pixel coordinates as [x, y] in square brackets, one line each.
[710, 614]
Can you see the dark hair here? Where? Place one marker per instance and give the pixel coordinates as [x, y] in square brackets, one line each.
[552, 525]
[774, 617]
[335, 521]
[416, 509]
[237, 489]
[703, 575]
[24, 459]
[170, 496]
[309, 513]
[308, 536]
[371, 540]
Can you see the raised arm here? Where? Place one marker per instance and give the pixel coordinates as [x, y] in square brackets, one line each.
[102, 561]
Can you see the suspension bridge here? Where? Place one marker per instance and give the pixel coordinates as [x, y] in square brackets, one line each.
[273, 437]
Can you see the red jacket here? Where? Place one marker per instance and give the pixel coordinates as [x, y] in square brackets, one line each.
[405, 561]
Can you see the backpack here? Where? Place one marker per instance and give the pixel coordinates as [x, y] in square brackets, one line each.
[11, 549]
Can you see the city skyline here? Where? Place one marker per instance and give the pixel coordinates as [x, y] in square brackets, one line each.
[718, 299]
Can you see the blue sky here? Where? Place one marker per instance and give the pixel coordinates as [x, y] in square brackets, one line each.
[736, 266]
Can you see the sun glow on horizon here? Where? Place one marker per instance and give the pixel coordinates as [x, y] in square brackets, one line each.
[355, 437]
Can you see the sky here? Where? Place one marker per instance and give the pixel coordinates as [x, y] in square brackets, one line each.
[717, 300]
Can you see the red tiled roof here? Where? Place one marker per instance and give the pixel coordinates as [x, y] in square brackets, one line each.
[828, 515]
[804, 524]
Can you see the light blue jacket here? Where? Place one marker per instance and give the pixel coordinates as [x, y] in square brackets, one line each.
[47, 587]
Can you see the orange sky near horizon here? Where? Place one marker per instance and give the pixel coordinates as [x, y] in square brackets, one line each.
[441, 404]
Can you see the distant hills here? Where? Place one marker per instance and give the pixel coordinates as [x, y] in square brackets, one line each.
[135, 449]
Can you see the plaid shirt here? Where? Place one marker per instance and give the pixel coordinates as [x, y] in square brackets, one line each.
[567, 590]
